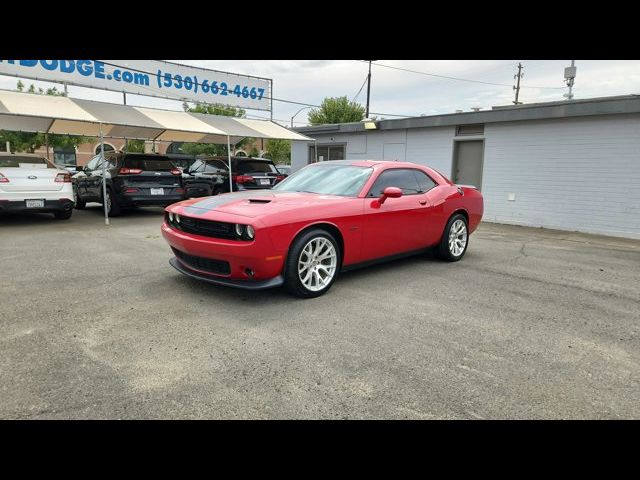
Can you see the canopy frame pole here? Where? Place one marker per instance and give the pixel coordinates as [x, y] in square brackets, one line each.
[229, 157]
[104, 178]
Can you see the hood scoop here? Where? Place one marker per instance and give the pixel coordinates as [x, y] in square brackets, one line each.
[259, 200]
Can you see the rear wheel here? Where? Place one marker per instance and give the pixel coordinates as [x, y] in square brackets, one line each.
[65, 215]
[312, 264]
[455, 239]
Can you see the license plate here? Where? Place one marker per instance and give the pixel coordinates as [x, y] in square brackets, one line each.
[35, 203]
[157, 191]
[265, 181]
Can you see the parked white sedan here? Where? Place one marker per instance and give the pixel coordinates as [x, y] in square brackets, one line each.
[29, 183]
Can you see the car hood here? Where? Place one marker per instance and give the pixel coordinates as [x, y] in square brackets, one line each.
[256, 203]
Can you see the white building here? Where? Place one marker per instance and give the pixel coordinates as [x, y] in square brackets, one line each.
[570, 165]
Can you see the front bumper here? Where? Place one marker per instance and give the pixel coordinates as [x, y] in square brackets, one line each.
[256, 264]
[50, 206]
[130, 199]
[228, 282]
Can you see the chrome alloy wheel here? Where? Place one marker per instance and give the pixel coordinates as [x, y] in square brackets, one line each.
[317, 264]
[457, 238]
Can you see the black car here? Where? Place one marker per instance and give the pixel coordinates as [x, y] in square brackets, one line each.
[133, 179]
[210, 175]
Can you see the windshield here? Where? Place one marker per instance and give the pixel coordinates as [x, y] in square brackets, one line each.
[343, 180]
[211, 166]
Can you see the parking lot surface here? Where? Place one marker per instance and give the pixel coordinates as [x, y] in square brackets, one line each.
[531, 323]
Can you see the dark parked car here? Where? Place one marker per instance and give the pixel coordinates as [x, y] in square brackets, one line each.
[284, 169]
[133, 179]
[210, 175]
[181, 160]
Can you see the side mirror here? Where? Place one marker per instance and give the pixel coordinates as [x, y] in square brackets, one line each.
[390, 192]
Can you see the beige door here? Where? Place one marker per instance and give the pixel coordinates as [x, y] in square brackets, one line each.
[467, 164]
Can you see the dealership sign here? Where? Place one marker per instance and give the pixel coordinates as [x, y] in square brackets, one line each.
[155, 78]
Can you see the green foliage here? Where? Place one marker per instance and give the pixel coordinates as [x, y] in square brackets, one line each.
[279, 151]
[214, 109]
[336, 110]
[135, 146]
[254, 152]
[29, 142]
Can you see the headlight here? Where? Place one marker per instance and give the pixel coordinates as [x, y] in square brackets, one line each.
[177, 218]
[170, 216]
[250, 232]
[239, 229]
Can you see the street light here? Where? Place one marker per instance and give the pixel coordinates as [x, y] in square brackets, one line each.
[294, 116]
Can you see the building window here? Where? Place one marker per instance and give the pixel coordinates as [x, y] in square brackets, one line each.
[107, 148]
[240, 153]
[327, 152]
[64, 156]
[476, 129]
[175, 147]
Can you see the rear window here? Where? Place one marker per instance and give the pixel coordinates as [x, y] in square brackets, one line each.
[249, 166]
[148, 163]
[17, 160]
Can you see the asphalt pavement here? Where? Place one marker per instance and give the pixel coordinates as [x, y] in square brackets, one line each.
[532, 323]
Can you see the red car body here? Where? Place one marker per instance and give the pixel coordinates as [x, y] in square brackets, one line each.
[366, 230]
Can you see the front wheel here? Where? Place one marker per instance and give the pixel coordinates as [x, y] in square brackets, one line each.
[455, 239]
[113, 208]
[79, 203]
[312, 264]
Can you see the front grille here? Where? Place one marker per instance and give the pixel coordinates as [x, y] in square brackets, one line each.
[206, 228]
[218, 267]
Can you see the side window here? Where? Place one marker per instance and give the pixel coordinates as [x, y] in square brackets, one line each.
[424, 181]
[402, 178]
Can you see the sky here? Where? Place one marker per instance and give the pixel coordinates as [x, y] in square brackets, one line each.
[401, 93]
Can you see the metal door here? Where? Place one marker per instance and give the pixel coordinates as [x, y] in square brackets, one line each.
[467, 163]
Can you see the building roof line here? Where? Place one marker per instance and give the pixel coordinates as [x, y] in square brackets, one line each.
[622, 104]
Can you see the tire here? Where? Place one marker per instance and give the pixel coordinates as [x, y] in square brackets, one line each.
[303, 249]
[113, 207]
[455, 239]
[65, 215]
[79, 203]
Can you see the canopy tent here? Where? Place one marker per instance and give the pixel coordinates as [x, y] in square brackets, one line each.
[62, 115]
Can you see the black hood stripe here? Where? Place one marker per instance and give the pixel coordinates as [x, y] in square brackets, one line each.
[211, 203]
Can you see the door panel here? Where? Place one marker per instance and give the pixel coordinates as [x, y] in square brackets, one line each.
[400, 224]
[467, 169]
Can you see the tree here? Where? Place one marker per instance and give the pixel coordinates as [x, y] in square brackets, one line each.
[29, 142]
[336, 110]
[135, 146]
[279, 151]
[212, 109]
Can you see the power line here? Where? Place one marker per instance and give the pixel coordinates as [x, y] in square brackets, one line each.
[456, 78]
[293, 102]
[365, 81]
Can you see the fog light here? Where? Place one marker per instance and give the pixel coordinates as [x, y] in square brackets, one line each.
[238, 229]
[170, 217]
[250, 232]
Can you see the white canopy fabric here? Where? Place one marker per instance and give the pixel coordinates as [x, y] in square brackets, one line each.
[48, 114]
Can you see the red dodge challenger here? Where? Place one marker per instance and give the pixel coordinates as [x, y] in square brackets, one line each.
[326, 218]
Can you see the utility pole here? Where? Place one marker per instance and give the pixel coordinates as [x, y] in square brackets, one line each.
[569, 78]
[517, 86]
[366, 115]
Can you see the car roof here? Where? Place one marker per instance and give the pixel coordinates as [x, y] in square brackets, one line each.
[20, 154]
